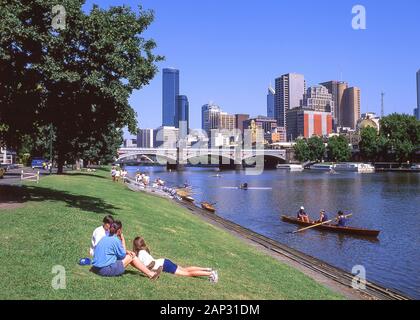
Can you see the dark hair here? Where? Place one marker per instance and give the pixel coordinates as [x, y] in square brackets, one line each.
[340, 213]
[115, 226]
[108, 219]
[139, 244]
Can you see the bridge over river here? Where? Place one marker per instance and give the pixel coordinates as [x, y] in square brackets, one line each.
[225, 158]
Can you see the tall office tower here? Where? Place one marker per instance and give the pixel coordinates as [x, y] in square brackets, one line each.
[182, 116]
[226, 121]
[239, 121]
[289, 89]
[210, 114]
[418, 95]
[170, 91]
[351, 109]
[337, 88]
[318, 98]
[145, 138]
[270, 102]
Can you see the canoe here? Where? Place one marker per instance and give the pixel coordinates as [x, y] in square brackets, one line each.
[333, 228]
[207, 206]
[187, 198]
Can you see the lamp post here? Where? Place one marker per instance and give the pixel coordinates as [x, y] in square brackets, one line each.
[51, 154]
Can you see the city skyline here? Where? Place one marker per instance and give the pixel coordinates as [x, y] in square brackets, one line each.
[235, 74]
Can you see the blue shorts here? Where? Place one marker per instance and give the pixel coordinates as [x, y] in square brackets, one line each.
[169, 266]
[114, 270]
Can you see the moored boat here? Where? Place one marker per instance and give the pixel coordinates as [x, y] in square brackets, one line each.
[207, 206]
[321, 167]
[354, 167]
[333, 228]
[290, 167]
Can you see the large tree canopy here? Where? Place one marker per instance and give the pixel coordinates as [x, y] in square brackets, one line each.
[77, 79]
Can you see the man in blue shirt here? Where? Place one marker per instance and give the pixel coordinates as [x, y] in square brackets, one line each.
[341, 219]
[111, 257]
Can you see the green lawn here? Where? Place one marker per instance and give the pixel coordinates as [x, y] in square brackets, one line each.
[54, 222]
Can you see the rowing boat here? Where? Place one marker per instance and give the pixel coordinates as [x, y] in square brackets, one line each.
[333, 228]
[207, 206]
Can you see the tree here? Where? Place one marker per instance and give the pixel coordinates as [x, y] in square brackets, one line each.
[338, 149]
[77, 79]
[369, 144]
[301, 149]
[402, 135]
[316, 148]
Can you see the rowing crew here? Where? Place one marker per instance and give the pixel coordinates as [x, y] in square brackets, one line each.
[303, 216]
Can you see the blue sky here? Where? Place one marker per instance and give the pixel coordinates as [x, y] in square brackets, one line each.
[228, 51]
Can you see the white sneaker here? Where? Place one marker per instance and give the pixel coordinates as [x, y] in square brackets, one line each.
[214, 276]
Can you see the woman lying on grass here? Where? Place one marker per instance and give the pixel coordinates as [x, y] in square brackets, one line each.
[143, 253]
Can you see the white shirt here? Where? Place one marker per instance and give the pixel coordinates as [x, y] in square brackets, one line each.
[97, 236]
[147, 259]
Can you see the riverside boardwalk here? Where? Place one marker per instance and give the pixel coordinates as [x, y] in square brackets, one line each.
[52, 223]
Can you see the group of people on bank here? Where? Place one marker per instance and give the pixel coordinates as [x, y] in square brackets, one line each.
[111, 256]
[323, 217]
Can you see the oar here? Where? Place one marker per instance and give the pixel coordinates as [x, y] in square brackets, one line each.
[320, 224]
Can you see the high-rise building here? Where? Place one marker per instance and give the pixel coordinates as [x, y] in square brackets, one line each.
[270, 102]
[226, 121]
[145, 138]
[337, 88]
[351, 110]
[182, 116]
[306, 123]
[289, 91]
[210, 114]
[418, 95]
[170, 91]
[318, 98]
[239, 121]
[166, 137]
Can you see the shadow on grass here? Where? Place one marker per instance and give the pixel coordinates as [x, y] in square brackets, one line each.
[22, 194]
[83, 174]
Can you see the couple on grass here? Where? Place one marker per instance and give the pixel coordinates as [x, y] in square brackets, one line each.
[111, 257]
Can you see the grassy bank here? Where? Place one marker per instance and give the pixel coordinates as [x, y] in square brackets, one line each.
[51, 224]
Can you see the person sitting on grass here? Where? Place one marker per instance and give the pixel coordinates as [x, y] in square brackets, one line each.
[100, 232]
[143, 253]
[111, 258]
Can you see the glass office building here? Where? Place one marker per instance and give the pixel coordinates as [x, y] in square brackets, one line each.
[182, 116]
[169, 96]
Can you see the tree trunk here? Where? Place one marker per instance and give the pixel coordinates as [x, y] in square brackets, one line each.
[60, 165]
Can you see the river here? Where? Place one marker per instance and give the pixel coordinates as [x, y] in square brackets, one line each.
[389, 202]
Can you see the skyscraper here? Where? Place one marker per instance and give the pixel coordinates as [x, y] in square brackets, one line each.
[351, 110]
[318, 98]
[210, 114]
[145, 138]
[337, 88]
[239, 121]
[182, 116]
[289, 91]
[170, 91]
[270, 102]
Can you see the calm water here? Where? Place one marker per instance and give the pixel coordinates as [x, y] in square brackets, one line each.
[389, 202]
